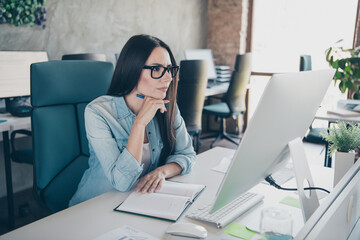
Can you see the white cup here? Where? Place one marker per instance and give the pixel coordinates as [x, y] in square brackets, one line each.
[276, 224]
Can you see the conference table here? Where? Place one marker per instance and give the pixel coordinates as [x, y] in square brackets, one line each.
[96, 217]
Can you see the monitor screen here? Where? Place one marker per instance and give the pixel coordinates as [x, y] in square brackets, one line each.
[15, 72]
[284, 112]
[203, 54]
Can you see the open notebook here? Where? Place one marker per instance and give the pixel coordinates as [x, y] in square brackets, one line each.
[167, 203]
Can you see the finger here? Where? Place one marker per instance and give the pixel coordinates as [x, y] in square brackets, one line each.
[146, 187]
[154, 185]
[140, 185]
[159, 186]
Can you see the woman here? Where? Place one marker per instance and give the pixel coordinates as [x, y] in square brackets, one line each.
[136, 131]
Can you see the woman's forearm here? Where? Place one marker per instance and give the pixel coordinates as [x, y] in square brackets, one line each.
[170, 170]
[135, 142]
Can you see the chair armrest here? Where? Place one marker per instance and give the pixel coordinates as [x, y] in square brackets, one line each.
[13, 134]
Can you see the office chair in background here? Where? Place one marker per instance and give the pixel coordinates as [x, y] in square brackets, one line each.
[313, 135]
[191, 96]
[85, 56]
[59, 140]
[233, 102]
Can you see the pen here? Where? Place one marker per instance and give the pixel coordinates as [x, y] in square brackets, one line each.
[142, 97]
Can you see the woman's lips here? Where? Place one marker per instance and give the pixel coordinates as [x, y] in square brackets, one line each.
[163, 89]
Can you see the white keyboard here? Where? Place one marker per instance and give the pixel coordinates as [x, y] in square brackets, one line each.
[228, 213]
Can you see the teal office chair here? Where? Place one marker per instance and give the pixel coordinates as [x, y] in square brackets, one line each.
[21, 155]
[60, 91]
[191, 96]
[233, 102]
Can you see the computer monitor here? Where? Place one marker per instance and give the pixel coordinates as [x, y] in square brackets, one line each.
[15, 72]
[203, 54]
[339, 214]
[284, 112]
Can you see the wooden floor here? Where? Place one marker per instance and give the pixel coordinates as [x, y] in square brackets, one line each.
[27, 208]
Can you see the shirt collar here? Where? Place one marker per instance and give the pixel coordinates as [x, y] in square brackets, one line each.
[122, 109]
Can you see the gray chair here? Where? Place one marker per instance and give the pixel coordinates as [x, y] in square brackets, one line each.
[85, 56]
[233, 102]
[59, 140]
[191, 96]
[305, 63]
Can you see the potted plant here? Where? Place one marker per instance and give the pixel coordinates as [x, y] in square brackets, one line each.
[342, 140]
[347, 65]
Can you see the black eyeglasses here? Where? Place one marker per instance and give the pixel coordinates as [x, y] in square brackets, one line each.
[159, 71]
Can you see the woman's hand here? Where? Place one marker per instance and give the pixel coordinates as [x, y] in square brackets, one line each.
[149, 109]
[155, 179]
[151, 181]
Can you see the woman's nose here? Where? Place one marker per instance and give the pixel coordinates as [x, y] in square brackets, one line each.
[167, 76]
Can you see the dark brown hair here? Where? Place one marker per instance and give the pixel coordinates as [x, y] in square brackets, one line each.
[127, 75]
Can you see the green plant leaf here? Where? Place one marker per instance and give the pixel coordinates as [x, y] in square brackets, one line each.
[349, 85]
[335, 64]
[341, 63]
[344, 137]
[356, 73]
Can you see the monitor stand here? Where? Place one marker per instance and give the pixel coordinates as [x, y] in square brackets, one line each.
[308, 199]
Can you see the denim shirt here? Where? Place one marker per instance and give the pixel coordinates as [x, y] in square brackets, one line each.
[108, 122]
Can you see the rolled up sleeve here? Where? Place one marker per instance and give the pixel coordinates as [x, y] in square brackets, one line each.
[120, 167]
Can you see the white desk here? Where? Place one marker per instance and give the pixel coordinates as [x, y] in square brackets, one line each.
[96, 216]
[322, 114]
[12, 123]
[217, 89]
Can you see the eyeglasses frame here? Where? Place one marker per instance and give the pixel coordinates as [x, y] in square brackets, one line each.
[165, 69]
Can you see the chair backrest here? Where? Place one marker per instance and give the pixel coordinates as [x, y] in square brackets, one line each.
[85, 56]
[191, 92]
[235, 95]
[305, 63]
[60, 91]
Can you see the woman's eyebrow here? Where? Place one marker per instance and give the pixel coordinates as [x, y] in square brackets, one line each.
[159, 64]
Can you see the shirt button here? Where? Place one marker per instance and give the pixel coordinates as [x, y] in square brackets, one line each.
[153, 149]
[149, 132]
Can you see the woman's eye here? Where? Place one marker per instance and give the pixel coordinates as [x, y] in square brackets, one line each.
[157, 69]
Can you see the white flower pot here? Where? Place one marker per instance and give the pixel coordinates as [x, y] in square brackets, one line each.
[342, 162]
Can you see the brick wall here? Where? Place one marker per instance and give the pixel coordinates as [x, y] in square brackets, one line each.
[227, 23]
[227, 33]
[357, 29]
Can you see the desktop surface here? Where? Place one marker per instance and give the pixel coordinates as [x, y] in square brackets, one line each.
[96, 216]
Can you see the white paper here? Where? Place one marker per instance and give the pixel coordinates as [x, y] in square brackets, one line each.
[125, 233]
[223, 166]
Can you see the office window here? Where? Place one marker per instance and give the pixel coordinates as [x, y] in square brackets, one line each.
[285, 29]
[282, 30]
